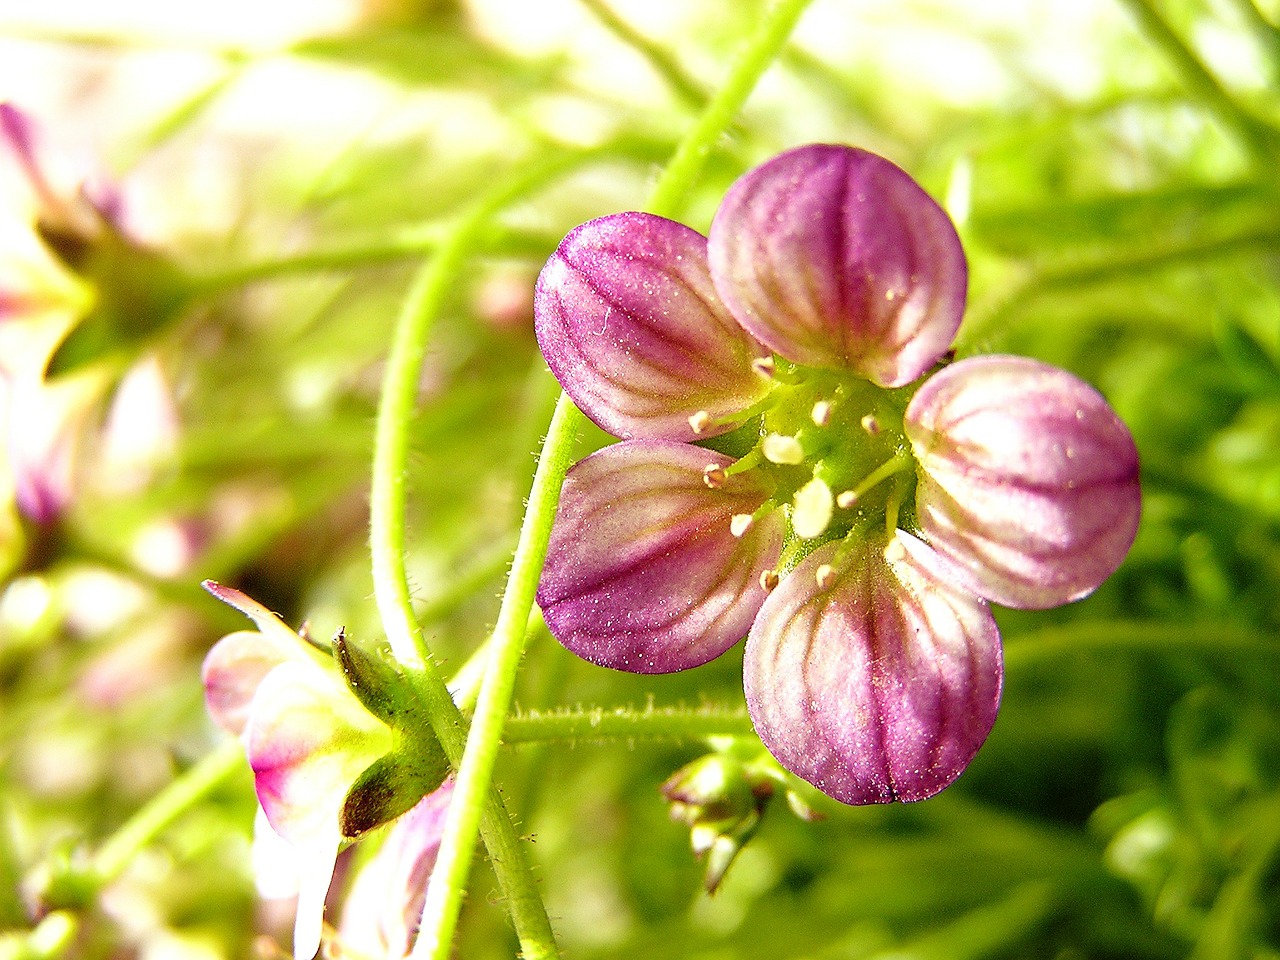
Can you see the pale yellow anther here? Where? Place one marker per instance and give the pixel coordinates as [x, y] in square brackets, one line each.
[764, 366]
[821, 413]
[846, 499]
[870, 424]
[813, 506]
[740, 523]
[825, 575]
[714, 476]
[895, 552]
[769, 579]
[699, 421]
[781, 449]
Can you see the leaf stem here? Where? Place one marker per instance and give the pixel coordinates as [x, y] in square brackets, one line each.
[672, 189]
[188, 789]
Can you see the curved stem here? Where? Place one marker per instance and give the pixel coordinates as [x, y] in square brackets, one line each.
[423, 305]
[691, 155]
[444, 898]
[585, 724]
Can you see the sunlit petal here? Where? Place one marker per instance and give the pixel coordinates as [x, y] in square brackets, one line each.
[643, 573]
[880, 685]
[1028, 479]
[834, 257]
[631, 326]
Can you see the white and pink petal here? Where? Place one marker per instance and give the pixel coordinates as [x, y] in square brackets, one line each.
[630, 324]
[1028, 480]
[878, 683]
[643, 572]
[834, 257]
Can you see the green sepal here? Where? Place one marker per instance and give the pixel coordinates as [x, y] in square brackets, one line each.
[377, 684]
[140, 295]
[392, 785]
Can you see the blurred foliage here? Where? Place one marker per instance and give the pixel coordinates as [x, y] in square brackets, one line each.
[1122, 219]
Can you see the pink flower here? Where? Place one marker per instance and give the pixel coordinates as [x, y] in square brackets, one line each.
[788, 472]
[307, 737]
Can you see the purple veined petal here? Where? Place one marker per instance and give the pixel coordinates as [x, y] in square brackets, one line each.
[630, 324]
[642, 572]
[883, 685]
[1028, 479]
[383, 908]
[308, 739]
[834, 257]
[281, 870]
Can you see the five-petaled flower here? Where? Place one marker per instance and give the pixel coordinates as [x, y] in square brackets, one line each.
[799, 464]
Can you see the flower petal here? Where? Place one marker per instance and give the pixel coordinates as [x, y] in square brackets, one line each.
[383, 908]
[631, 326]
[880, 687]
[232, 672]
[835, 257]
[308, 739]
[1028, 479]
[642, 572]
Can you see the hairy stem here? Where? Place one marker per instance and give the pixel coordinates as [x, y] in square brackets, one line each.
[627, 723]
[423, 305]
[444, 899]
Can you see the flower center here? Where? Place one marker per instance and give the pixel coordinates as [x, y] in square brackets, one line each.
[833, 444]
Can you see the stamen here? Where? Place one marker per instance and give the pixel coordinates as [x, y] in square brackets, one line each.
[714, 476]
[740, 523]
[898, 463]
[871, 425]
[812, 509]
[765, 367]
[825, 575]
[846, 499]
[700, 421]
[821, 413]
[769, 579]
[781, 449]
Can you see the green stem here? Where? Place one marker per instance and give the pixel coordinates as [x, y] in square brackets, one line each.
[475, 774]
[423, 305]
[1256, 137]
[662, 62]
[627, 723]
[672, 189]
[408, 243]
[163, 809]
[444, 898]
